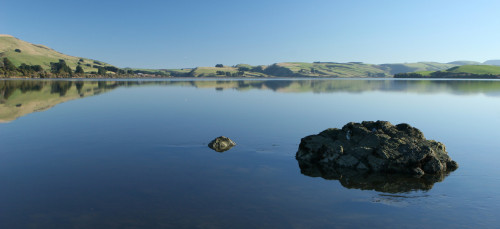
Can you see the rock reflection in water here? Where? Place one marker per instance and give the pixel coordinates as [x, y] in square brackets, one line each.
[381, 182]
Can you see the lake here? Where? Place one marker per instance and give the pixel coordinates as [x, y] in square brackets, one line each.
[133, 154]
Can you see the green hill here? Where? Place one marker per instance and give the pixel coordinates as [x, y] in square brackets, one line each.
[22, 52]
[288, 69]
[464, 71]
[416, 67]
[322, 69]
[19, 51]
[476, 69]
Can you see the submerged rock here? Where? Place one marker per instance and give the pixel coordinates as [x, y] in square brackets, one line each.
[221, 144]
[374, 147]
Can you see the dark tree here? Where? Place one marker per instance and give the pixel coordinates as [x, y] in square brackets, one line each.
[60, 68]
[219, 66]
[101, 71]
[25, 67]
[8, 66]
[18, 50]
[257, 69]
[111, 68]
[30, 68]
[79, 70]
[243, 69]
[36, 68]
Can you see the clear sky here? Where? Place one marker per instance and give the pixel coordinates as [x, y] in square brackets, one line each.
[189, 33]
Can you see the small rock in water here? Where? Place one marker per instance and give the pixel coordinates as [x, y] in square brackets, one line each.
[221, 144]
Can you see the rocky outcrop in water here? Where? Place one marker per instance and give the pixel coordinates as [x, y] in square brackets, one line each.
[221, 144]
[374, 147]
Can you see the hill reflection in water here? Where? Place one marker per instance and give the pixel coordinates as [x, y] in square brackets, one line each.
[21, 97]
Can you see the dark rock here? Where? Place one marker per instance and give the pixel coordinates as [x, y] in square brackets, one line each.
[221, 144]
[376, 147]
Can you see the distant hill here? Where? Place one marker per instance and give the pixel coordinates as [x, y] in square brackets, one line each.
[288, 69]
[22, 52]
[492, 62]
[476, 69]
[464, 71]
[321, 69]
[416, 67]
[465, 62]
[19, 51]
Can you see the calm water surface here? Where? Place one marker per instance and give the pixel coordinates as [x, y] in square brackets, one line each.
[133, 154]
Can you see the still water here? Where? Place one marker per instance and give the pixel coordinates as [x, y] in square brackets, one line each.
[133, 154]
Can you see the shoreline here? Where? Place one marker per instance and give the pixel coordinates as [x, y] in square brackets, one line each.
[240, 78]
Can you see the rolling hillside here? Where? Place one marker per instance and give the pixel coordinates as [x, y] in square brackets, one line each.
[19, 51]
[321, 69]
[416, 67]
[292, 69]
[465, 62]
[476, 69]
[464, 71]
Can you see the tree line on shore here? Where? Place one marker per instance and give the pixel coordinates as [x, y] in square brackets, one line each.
[445, 74]
[62, 70]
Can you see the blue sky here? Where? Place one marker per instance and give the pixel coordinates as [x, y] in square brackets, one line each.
[175, 34]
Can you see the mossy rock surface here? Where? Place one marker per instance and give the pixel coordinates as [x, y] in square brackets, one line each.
[375, 147]
[221, 144]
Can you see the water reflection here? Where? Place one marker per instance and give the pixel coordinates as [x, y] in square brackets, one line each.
[20, 97]
[137, 157]
[381, 182]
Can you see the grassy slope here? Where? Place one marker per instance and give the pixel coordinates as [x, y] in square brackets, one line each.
[212, 72]
[38, 54]
[470, 69]
[416, 67]
[476, 69]
[42, 55]
[322, 69]
[334, 69]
